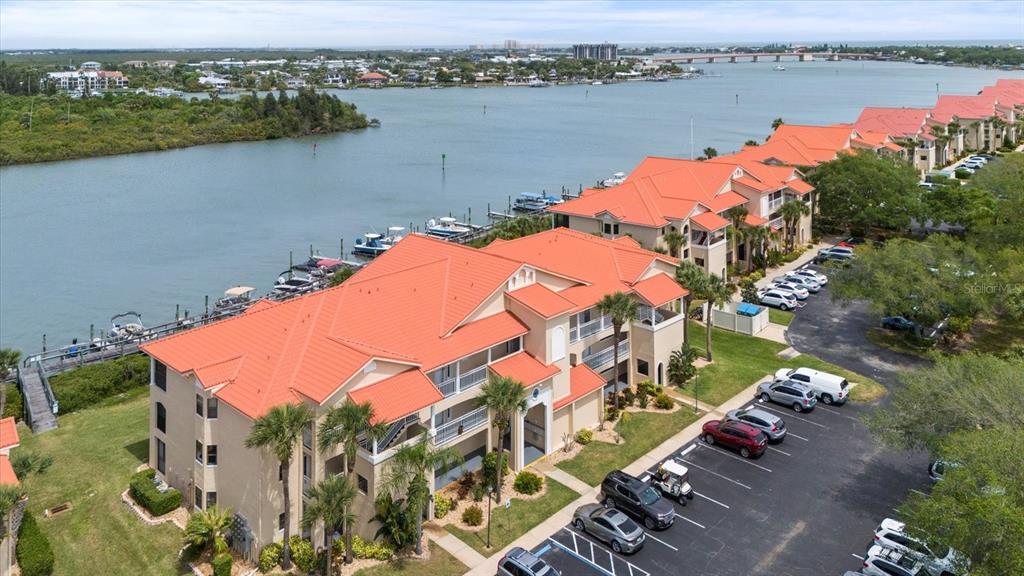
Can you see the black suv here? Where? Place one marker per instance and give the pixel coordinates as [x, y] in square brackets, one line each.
[630, 494]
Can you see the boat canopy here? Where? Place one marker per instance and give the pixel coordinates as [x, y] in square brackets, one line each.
[531, 196]
[238, 291]
[392, 230]
[372, 236]
[447, 220]
[674, 468]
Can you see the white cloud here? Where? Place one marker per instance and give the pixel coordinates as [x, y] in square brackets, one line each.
[200, 23]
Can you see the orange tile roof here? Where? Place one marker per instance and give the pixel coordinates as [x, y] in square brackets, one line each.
[964, 107]
[7, 475]
[582, 381]
[800, 145]
[725, 201]
[896, 122]
[8, 433]
[542, 300]
[398, 396]
[799, 186]
[710, 221]
[524, 368]
[659, 289]
[751, 220]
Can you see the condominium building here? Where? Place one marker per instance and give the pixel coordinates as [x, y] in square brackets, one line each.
[415, 334]
[603, 51]
[87, 80]
[910, 127]
[808, 146]
[666, 195]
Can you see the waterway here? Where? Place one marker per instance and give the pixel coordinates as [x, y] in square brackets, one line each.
[83, 240]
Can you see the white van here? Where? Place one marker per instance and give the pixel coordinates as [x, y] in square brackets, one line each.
[830, 389]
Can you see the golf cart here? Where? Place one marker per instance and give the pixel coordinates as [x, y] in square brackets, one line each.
[673, 480]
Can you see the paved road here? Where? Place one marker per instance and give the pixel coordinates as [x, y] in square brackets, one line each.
[836, 333]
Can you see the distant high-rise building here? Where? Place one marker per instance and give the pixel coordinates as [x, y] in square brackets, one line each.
[604, 51]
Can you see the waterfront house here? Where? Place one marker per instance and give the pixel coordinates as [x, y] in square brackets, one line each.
[666, 195]
[910, 127]
[90, 80]
[415, 333]
[374, 79]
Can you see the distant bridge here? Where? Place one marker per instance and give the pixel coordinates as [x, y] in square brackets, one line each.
[710, 58]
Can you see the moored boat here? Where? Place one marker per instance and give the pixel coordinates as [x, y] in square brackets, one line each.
[234, 297]
[530, 202]
[615, 180]
[446, 227]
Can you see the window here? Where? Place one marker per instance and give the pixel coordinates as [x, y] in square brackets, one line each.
[643, 367]
[160, 376]
[211, 408]
[699, 262]
[199, 404]
[307, 436]
[211, 455]
[199, 451]
[161, 417]
[198, 502]
[161, 456]
[211, 499]
[307, 465]
[610, 228]
[362, 484]
[661, 374]
[280, 521]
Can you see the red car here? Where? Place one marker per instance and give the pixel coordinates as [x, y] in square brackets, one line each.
[749, 441]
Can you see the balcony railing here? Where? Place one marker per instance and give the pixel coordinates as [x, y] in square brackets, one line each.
[448, 387]
[472, 378]
[590, 328]
[774, 205]
[776, 222]
[467, 423]
[607, 355]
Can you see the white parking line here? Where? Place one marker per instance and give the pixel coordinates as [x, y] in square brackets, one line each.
[711, 499]
[575, 552]
[829, 410]
[744, 460]
[861, 558]
[688, 449]
[662, 541]
[779, 451]
[797, 437]
[915, 491]
[717, 474]
[791, 414]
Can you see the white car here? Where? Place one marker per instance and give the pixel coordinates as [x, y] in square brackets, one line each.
[967, 169]
[810, 284]
[813, 275]
[891, 534]
[829, 388]
[779, 299]
[981, 159]
[883, 561]
[800, 292]
[973, 165]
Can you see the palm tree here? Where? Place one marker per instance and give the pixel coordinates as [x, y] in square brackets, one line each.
[209, 527]
[736, 215]
[342, 426]
[9, 496]
[407, 472]
[330, 502]
[758, 237]
[776, 123]
[691, 277]
[710, 152]
[280, 429]
[504, 397]
[791, 212]
[621, 308]
[8, 361]
[680, 365]
[715, 292]
[675, 241]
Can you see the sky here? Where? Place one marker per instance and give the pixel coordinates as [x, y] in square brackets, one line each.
[123, 24]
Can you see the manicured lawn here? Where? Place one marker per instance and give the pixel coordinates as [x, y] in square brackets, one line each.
[507, 525]
[94, 452]
[775, 316]
[641, 431]
[441, 563]
[740, 360]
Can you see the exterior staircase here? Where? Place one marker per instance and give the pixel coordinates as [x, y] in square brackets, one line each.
[40, 405]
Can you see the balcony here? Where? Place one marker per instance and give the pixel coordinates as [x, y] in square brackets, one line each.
[599, 359]
[463, 381]
[650, 318]
[775, 204]
[590, 328]
[460, 426]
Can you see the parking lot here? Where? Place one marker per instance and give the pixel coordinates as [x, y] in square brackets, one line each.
[806, 507]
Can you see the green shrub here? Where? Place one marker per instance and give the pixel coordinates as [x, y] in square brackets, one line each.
[222, 564]
[664, 402]
[490, 469]
[755, 276]
[478, 492]
[962, 174]
[144, 492]
[628, 397]
[14, 406]
[611, 413]
[645, 386]
[90, 385]
[368, 550]
[643, 399]
[584, 436]
[35, 556]
[473, 516]
[270, 556]
[958, 325]
[528, 483]
[748, 291]
[442, 504]
[303, 553]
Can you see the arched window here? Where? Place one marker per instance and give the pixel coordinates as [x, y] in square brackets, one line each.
[557, 343]
[161, 417]
[661, 374]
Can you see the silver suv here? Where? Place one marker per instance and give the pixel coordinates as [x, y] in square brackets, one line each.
[788, 393]
[772, 426]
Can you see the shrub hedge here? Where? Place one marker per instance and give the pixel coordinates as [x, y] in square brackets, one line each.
[222, 564]
[473, 516]
[35, 556]
[270, 557]
[584, 436]
[90, 385]
[664, 401]
[144, 492]
[368, 550]
[14, 406]
[442, 504]
[303, 553]
[527, 483]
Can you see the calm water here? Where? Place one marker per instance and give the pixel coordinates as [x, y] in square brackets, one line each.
[83, 240]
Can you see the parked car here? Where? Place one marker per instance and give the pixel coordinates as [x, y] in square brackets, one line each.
[829, 388]
[799, 292]
[810, 284]
[851, 241]
[972, 165]
[637, 498]
[520, 562]
[778, 298]
[794, 394]
[892, 534]
[978, 158]
[846, 248]
[839, 254]
[609, 526]
[897, 323]
[771, 425]
[882, 561]
[744, 438]
[812, 274]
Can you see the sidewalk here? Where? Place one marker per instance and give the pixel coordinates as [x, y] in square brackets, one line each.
[563, 517]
